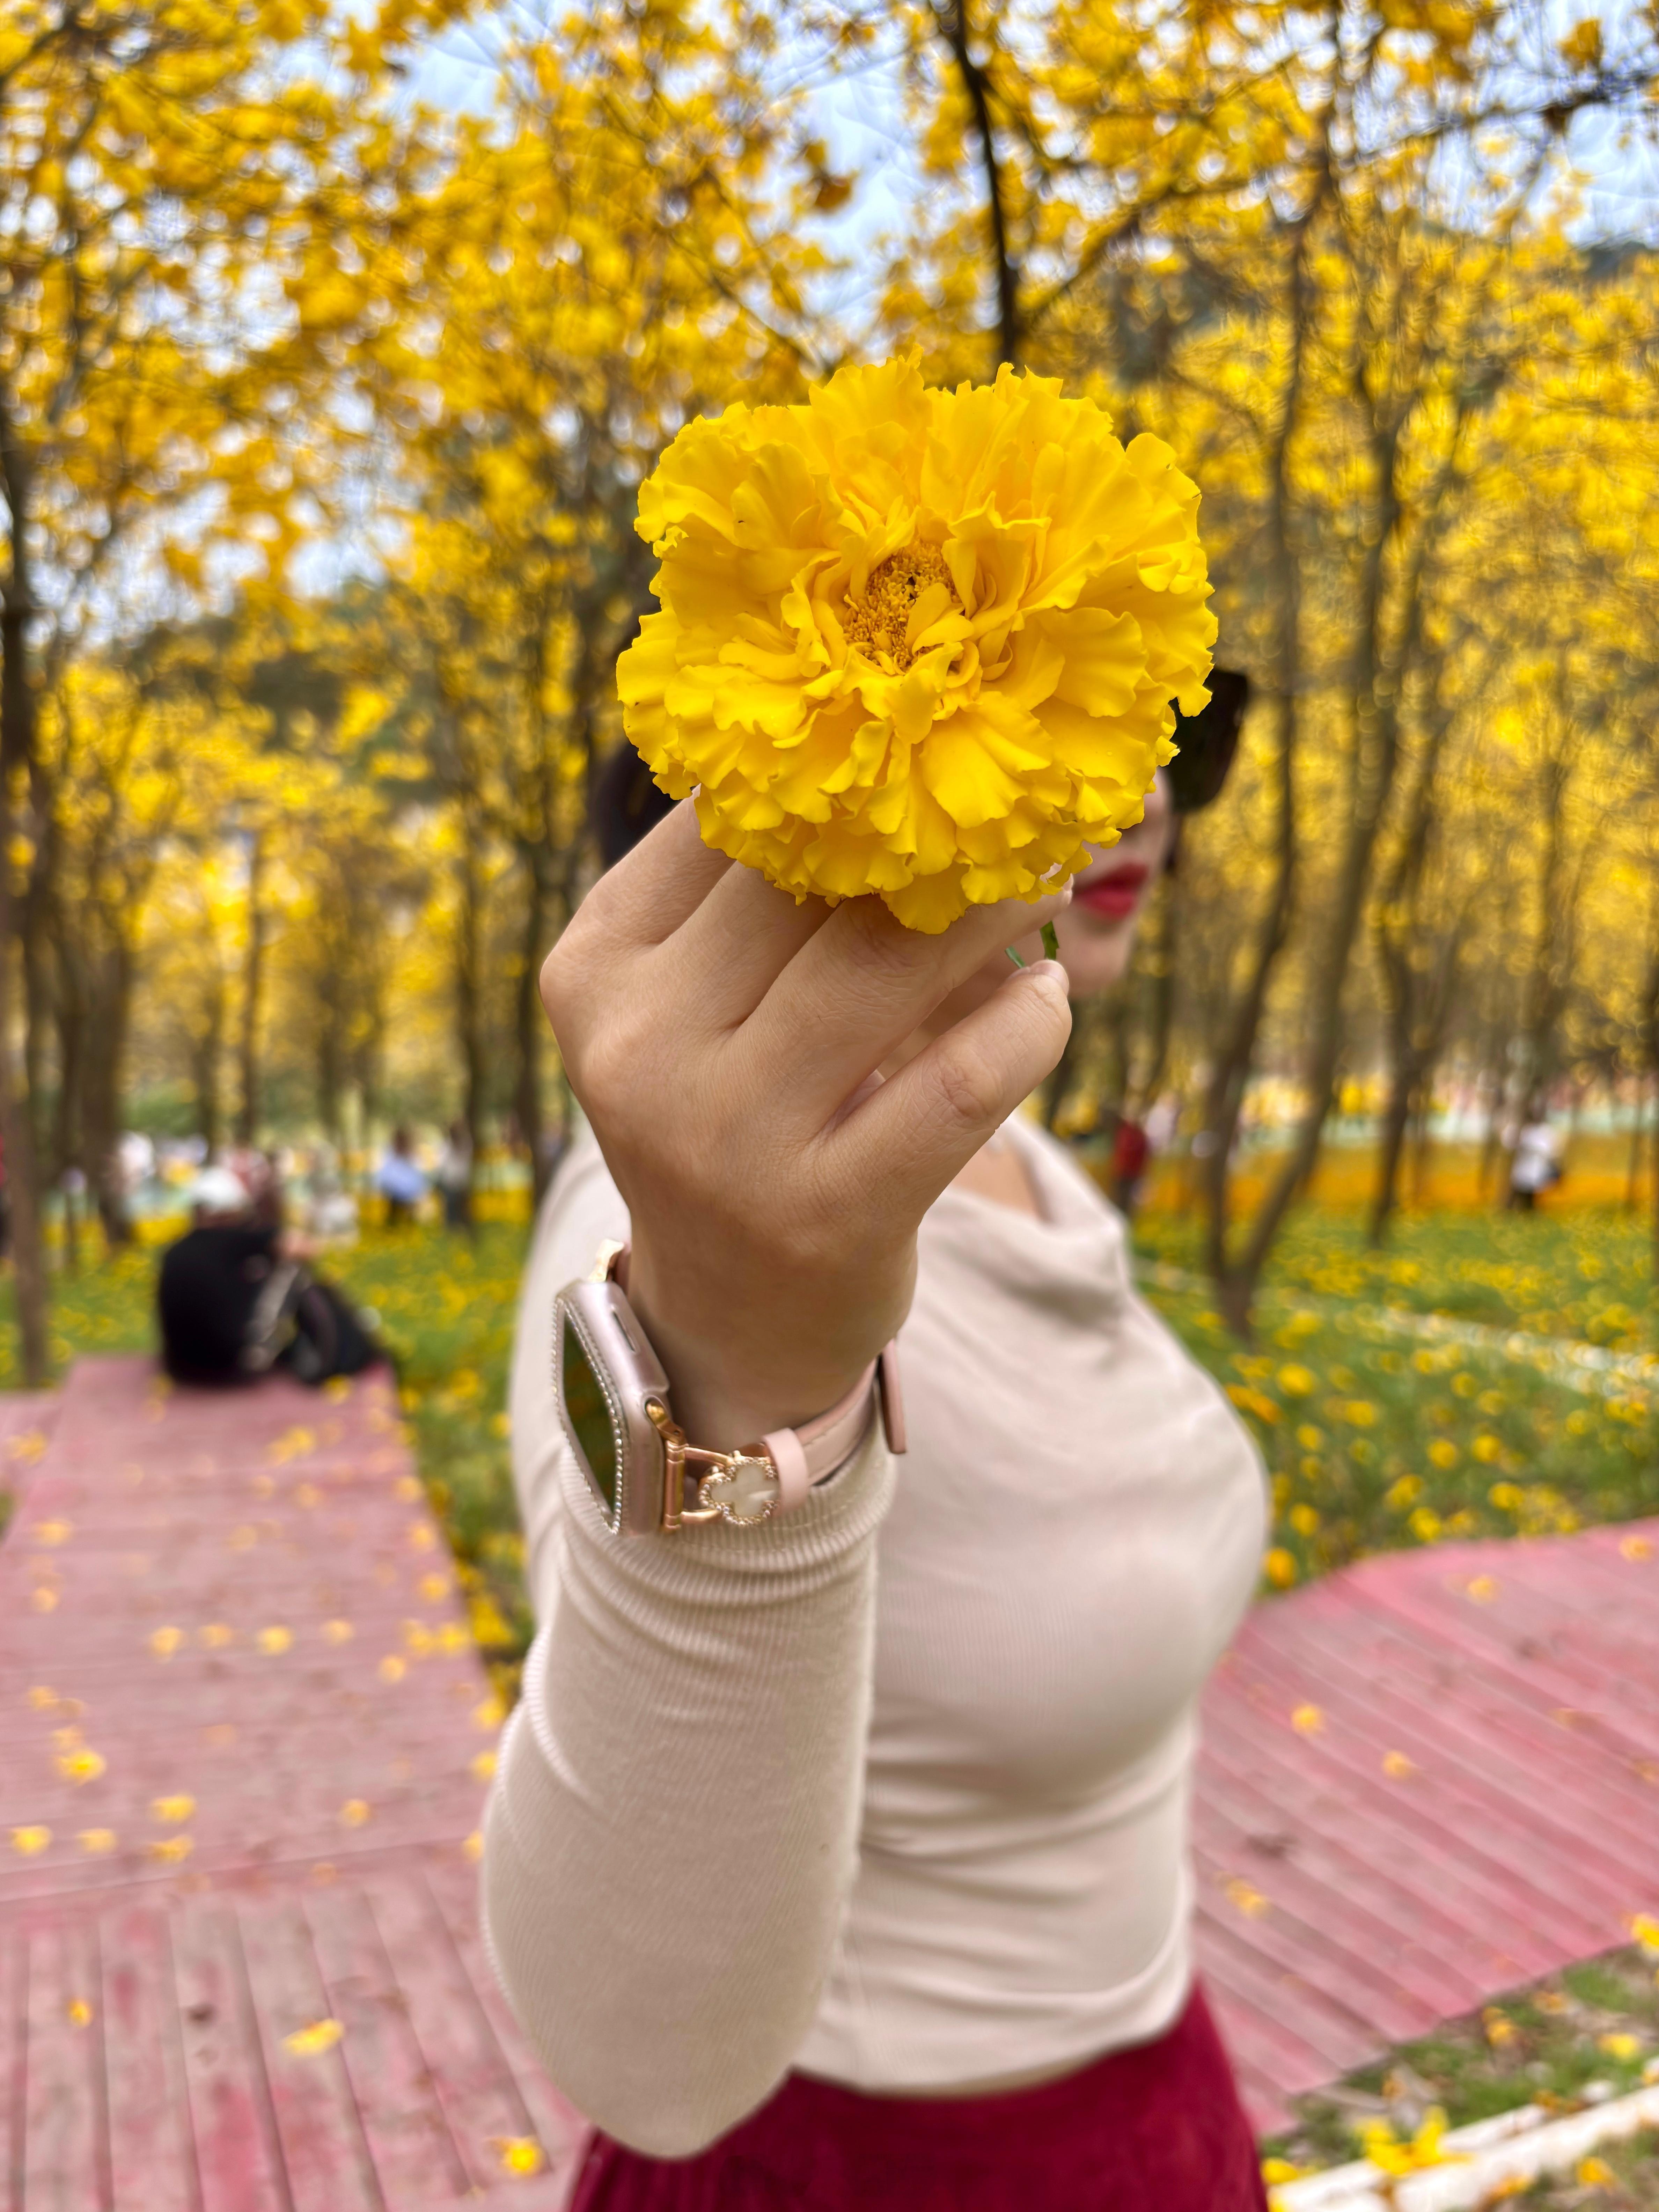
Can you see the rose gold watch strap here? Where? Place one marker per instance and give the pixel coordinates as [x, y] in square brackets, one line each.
[805, 1455]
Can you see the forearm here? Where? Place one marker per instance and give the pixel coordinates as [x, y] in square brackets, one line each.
[674, 1830]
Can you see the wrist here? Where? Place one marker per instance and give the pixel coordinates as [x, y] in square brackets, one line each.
[730, 1384]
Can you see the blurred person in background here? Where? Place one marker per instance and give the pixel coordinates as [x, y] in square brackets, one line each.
[236, 1296]
[838, 1859]
[1535, 1160]
[400, 1179]
[453, 1176]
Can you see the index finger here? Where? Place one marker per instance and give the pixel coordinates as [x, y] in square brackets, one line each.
[646, 896]
[859, 986]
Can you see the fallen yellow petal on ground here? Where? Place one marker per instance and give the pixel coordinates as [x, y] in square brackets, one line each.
[311, 2042]
[31, 1841]
[518, 2153]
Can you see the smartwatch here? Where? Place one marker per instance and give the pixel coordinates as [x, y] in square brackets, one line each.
[645, 1477]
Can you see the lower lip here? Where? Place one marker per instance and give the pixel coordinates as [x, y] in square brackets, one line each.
[1115, 897]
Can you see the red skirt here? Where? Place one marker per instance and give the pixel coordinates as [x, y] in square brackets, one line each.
[1156, 2129]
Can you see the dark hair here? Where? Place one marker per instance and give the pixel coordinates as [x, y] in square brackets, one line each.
[1208, 741]
[627, 804]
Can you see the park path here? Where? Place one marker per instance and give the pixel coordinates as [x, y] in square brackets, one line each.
[1423, 1781]
[244, 1739]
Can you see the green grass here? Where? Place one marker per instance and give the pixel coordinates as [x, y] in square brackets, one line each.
[1589, 2033]
[1375, 1442]
[1585, 1275]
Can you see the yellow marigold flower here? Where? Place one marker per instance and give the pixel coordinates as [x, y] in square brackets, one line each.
[921, 643]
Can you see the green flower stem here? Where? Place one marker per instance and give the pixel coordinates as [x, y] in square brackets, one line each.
[1050, 946]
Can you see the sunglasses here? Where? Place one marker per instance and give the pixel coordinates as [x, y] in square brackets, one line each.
[1207, 741]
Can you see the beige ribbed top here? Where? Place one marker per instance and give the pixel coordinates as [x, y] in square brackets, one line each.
[893, 1790]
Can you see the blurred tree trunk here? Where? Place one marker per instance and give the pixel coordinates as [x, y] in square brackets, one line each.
[468, 975]
[17, 754]
[206, 1062]
[248, 1107]
[528, 1019]
[103, 1092]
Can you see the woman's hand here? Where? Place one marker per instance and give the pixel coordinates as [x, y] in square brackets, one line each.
[723, 1043]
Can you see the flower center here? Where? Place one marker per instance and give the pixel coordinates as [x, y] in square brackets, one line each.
[877, 621]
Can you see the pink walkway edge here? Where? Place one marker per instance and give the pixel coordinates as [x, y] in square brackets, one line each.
[244, 1740]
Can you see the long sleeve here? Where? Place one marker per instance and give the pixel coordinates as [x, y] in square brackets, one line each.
[673, 1832]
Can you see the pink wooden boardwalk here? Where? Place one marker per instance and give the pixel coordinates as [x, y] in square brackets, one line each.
[244, 1739]
[1425, 1781]
[244, 1743]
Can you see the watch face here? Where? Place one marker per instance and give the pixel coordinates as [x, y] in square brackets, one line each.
[591, 1429]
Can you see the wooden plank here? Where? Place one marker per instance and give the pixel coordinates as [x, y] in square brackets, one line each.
[480, 2098]
[1379, 1824]
[561, 2130]
[324, 2155]
[232, 2127]
[65, 2147]
[416, 2156]
[14, 2061]
[152, 2159]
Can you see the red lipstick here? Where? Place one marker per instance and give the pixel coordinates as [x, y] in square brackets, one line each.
[1115, 895]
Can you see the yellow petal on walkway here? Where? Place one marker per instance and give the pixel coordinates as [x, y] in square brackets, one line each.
[216, 1635]
[338, 1631]
[79, 2012]
[354, 1812]
[42, 1699]
[53, 1532]
[311, 2042]
[96, 1840]
[518, 2154]
[1308, 1720]
[484, 1766]
[1635, 1547]
[82, 1766]
[392, 1668]
[489, 1713]
[172, 1850]
[30, 1842]
[473, 1847]
[1397, 1766]
[164, 1642]
[274, 1641]
[174, 1811]
[45, 1601]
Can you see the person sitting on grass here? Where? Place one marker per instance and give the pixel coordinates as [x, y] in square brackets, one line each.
[236, 1297]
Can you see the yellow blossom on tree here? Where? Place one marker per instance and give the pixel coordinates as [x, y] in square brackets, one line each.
[917, 642]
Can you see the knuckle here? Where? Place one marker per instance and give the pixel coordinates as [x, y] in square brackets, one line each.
[969, 1093]
[876, 946]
